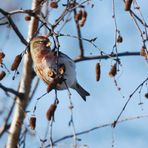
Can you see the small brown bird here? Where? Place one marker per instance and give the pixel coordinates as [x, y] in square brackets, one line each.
[50, 65]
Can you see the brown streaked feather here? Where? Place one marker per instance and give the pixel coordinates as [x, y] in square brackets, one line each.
[39, 72]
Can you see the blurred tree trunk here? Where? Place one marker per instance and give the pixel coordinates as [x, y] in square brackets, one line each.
[25, 86]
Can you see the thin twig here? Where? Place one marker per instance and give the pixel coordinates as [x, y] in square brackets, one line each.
[65, 22]
[91, 41]
[5, 125]
[130, 97]
[116, 28]
[4, 23]
[10, 90]
[34, 89]
[139, 19]
[64, 13]
[13, 25]
[29, 12]
[121, 54]
[96, 128]
[79, 36]
[51, 133]
[142, 18]
[138, 27]
[71, 122]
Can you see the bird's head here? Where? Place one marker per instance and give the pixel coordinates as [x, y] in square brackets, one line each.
[39, 43]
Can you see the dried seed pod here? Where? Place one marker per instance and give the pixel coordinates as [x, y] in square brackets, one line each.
[98, 71]
[84, 14]
[2, 55]
[128, 4]
[146, 95]
[2, 75]
[61, 69]
[143, 51]
[113, 70]
[50, 112]
[119, 39]
[27, 18]
[51, 73]
[54, 5]
[78, 16]
[16, 62]
[83, 20]
[32, 122]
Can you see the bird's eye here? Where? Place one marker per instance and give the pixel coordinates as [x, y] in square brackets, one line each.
[40, 42]
[37, 43]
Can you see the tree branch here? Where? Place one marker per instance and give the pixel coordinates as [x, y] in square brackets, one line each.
[6, 14]
[79, 36]
[25, 86]
[10, 90]
[96, 128]
[130, 96]
[79, 59]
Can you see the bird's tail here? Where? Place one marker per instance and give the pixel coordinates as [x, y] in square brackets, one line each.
[81, 91]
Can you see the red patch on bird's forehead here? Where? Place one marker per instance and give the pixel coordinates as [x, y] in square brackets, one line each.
[44, 37]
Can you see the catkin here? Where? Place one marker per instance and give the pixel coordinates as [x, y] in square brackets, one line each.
[2, 75]
[98, 71]
[113, 70]
[143, 51]
[32, 122]
[54, 5]
[2, 55]
[128, 4]
[16, 62]
[50, 111]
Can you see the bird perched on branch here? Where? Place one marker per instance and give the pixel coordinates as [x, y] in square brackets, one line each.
[52, 66]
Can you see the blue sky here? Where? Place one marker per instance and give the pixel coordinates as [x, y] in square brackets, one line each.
[105, 101]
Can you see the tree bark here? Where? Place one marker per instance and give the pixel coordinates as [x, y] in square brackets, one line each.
[25, 86]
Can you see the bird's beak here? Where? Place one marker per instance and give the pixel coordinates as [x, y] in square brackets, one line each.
[48, 44]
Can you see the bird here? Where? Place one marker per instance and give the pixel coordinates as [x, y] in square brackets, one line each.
[51, 65]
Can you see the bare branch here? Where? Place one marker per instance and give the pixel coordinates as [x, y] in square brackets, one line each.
[96, 128]
[139, 19]
[131, 95]
[10, 90]
[4, 23]
[6, 14]
[25, 86]
[64, 13]
[79, 59]
[79, 36]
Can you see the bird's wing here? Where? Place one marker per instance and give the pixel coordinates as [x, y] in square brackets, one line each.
[65, 59]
